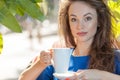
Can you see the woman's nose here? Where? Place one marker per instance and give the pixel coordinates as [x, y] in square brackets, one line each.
[80, 24]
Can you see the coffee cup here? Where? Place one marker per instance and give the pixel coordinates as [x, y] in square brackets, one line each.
[61, 59]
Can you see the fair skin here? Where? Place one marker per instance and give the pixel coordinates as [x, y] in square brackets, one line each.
[37, 67]
[83, 25]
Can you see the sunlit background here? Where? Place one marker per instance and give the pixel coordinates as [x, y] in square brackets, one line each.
[20, 48]
[37, 33]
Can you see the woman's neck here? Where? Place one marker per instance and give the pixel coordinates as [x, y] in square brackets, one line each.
[82, 49]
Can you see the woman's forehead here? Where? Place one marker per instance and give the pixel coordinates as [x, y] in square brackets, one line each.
[81, 8]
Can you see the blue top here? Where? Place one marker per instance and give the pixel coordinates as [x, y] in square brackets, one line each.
[76, 63]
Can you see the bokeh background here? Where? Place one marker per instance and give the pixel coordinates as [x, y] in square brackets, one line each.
[20, 48]
[37, 33]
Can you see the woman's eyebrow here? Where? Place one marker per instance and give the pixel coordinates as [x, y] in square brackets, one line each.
[73, 15]
[88, 14]
[83, 15]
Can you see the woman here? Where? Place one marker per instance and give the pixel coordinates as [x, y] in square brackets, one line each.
[86, 26]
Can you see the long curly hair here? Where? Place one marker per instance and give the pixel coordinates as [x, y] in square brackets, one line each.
[101, 52]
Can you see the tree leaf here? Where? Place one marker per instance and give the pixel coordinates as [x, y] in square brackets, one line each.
[14, 7]
[36, 1]
[1, 43]
[114, 5]
[9, 9]
[116, 27]
[32, 9]
[7, 19]
[117, 14]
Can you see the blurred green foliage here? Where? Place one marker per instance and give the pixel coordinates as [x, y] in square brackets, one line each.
[1, 43]
[115, 9]
[9, 8]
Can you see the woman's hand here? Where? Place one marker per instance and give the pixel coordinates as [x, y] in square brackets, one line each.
[45, 57]
[94, 74]
[89, 74]
[37, 66]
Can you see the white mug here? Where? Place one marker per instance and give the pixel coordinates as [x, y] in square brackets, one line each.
[61, 58]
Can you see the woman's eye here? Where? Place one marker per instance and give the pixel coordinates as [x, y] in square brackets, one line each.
[73, 19]
[88, 18]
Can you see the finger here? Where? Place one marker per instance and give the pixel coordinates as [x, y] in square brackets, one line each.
[42, 53]
[79, 70]
[73, 77]
[45, 57]
[51, 52]
[79, 75]
[45, 53]
[83, 78]
[47, 60]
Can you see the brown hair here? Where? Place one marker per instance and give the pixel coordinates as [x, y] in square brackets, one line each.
[101, 52]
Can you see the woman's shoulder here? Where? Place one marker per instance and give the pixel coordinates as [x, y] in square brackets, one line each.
[117, 61]
[117, 55]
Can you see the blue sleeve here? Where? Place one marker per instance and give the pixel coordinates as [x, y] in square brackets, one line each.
[47, 74]
[117, 62]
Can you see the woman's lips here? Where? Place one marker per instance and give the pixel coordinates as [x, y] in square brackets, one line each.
[81, 33]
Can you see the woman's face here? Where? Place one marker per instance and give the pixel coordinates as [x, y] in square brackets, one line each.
[83, 21]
